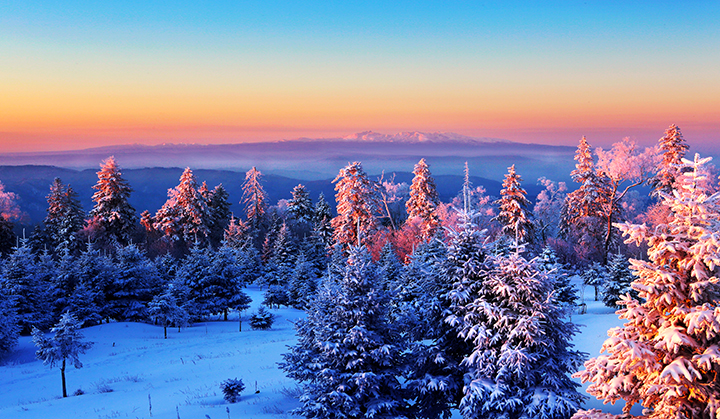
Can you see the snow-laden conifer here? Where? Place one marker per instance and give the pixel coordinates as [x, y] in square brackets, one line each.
[348, 356]
[565, 291]
[302, 285]
[63, 346]
[423, 201]
[9, 324]
[164, 309]
[673, 148]
[255, 201]
[300, 206]
[322, 218]
[514, 213]
[22, 278]
[65, 217]
[666, 355]
[112, 214]
[521, 360]
[617, 280]
[185, 215]
[135, 283]
[357, 202]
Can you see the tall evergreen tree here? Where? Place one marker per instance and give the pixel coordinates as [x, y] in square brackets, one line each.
[357, 202]
[673, 148]
[423, 201]
[348, 356]
[65, 217]
[22, 279]
[185, 215]
[514, 214]
[322, 221]
[255, 200]
[220, 215]
[300, 206]
[521, 361]
[112, 214]
[9, 322]
[135, 283]
[666, 354]
[617, 281]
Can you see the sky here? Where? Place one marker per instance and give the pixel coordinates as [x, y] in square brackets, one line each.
[79, 74]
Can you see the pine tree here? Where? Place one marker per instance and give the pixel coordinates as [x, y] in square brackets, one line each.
[322, 221]
[514, 214]
[666, 354]
[357, 202]
[22, 279]
[235, 234]
[565, 291]
[97, 274]
[136, 282]
[673, 148]
[65, 217]
[255, 200]
[617, 281]
[185, 215]
[112, 214]
[65, 345]
[165, 310]
[9, 322]
[582, 214]
[521, 361]
[303, 283]
[348, 356]
[594, 275]
[423, 201]
[300, 206]
[389, 268]
[220, 215]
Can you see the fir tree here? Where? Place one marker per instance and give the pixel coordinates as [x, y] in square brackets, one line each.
[235, 234]
[300, 206]
[220, 215]
[666, 354]
[185, 215]
[389, 268]
[303, 283]
[9, 324]
[22, 279]
[348, 356]
[255, 201]
[112, 214]
[134, 285]
[423, 201]
[165, 310]
[357, 202]
[594, 275]
[521, 361]
[565, 291]
[7, 237]
[65, 217]
[514, 215]
[322, 219]
[97, 274]
[673, 148]
[617, 281]
[64, 346]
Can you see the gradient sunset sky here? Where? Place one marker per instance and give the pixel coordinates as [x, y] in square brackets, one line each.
[78, 74]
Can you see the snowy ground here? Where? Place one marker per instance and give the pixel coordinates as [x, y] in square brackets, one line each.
[131, 366]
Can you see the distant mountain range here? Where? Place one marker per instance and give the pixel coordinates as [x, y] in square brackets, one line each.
[316, 159]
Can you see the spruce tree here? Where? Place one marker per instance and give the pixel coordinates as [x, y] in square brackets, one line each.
[23, 279]
[64, 346]
[136, 282]
[565, 291]
[303, 283]
[617, 281]
[185, 215]
[112, 214]
[514, 214]
[255, 201]
[164, 309]
[348, 357]
[322, 221]
[665, 356]
[357, 202]
[300, 206]
[65, 217]
[220, 215]
[9, 322]
[423, 201]
[673, 148]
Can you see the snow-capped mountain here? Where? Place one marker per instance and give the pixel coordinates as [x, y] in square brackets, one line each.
[419, 137]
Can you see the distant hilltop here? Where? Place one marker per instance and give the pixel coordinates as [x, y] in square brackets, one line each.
[409, 137]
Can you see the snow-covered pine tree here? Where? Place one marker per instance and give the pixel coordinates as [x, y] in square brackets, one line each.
[97, 273]
[581, 216]
[255, 201]
[548, 205]
[389, 268]
[435, 376]
[423, 201]
[673, 148]
[235, 234]
[300, 206]
[9, 322]
[322, 221]
[565, 291]
[348, 357]
[303, 283]
[594, 275]
[164, 309]
[666, 354]
[65, 217]
[617, 281]
[185, 215]
[357, 202]
[225, 285]
[65, 345]
[188, 283]
[521, 361]
[514, 213]
[220, 215]
[112, 214]
[21, 278]
[136, 282]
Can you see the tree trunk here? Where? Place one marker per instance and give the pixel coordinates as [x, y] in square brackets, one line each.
[165, 330]
[239, 322]
[62, 373]
[225, 312]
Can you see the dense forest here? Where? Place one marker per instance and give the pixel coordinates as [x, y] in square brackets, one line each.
[415, 307]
